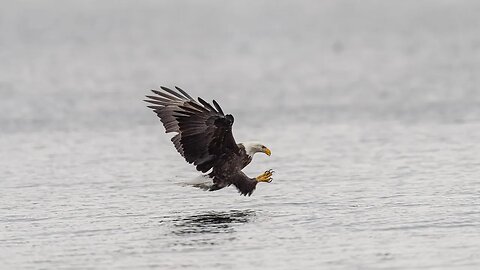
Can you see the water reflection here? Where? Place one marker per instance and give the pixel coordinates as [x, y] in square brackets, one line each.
[211, 222]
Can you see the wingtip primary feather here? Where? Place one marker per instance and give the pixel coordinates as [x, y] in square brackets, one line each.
[204, 103]
[154, 107]
[170, 91]
[184, 93]
[219, 109]
[157, 98]
[165, 95]
[163, 88]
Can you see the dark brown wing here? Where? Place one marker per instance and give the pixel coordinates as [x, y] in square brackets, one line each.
[204, 133]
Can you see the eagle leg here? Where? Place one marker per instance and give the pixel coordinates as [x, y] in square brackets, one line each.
[265, 177]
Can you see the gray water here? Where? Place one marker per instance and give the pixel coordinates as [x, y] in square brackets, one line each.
[371, 109]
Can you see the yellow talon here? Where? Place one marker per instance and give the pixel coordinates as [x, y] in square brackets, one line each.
[265, 177]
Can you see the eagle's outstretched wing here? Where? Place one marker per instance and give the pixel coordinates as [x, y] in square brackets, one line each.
[204, 133]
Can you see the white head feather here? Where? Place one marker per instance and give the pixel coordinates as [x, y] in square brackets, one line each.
[254, 147]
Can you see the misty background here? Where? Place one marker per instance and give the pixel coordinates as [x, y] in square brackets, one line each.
[371, 109]
[66, 62]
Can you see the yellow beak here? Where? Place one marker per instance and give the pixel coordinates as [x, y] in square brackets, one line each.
[267, 151]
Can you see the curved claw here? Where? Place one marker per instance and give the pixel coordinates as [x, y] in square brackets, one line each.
[266, 176]
[268, 173]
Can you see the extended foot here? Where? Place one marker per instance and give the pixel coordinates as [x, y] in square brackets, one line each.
[265, 177]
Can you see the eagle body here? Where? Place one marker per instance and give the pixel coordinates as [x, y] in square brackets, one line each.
[234, 162]
[204, 138]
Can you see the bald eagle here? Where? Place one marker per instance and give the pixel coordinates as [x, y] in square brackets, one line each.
[204, 138]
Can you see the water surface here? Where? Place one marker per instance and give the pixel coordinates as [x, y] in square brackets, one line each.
[372, 112]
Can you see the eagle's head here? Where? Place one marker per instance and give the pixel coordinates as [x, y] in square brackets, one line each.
[254, 147]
